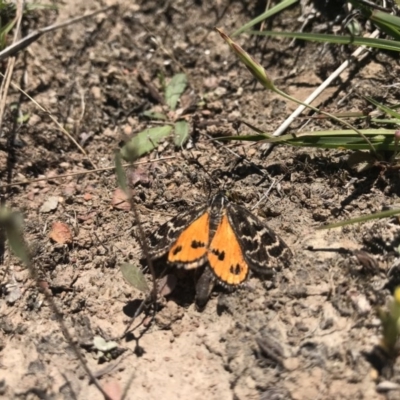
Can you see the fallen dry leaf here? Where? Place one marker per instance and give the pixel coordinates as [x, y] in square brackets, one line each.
[60, 233]
[120, 200]
[166, 285]
[49, 205]
[113, 390]
[139, 175]
[87, 197]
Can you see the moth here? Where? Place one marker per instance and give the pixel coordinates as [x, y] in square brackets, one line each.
[225, 236]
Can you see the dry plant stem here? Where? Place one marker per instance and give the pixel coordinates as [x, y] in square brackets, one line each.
[5, 86]
[143, 243]
[267, 7]
[170, 54]
[26, 41]
[81, 173]
[49, 298]
[243, 158]
[139, 310]
[62, 129]
[11, 63]
[128, 386]
[137, 313]
[264, 196]
[265, 147]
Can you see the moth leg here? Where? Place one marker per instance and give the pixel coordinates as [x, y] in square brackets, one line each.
[204, 287]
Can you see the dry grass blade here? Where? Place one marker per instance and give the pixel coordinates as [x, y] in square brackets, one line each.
[22, 44]
[62, 129]
[11, 63]
[27, 182]
[26, 41]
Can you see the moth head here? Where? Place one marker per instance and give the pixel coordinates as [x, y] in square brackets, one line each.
[217, 204]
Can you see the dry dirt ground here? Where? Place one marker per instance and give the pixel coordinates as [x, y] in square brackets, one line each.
[305, 334]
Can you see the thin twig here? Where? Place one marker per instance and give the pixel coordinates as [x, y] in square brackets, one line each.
[243, 158]
[264, 196]
[62, 129]
[27, 40]
[80, 173]
[145, 248]
[11, 63]
[128, 386]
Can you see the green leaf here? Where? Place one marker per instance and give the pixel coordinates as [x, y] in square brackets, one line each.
[144, 142]
[154, 115]
[11, 223]
[134, 276]
[23, 118]
[174, 90]
[181, 133]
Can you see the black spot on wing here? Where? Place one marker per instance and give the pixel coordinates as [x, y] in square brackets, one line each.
[235, 269]
[219, 254]
[177, 250]
[197, 244]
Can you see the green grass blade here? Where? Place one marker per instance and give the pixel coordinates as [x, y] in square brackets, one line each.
[338, 140]
[383, 44]
[382, 107]
[267, 14]
[4, 31]
[363, 218]
[382, 139]
[258, 71]
[388, 23]
[246, 138]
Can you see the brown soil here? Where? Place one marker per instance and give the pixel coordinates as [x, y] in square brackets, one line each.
[306, 333]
